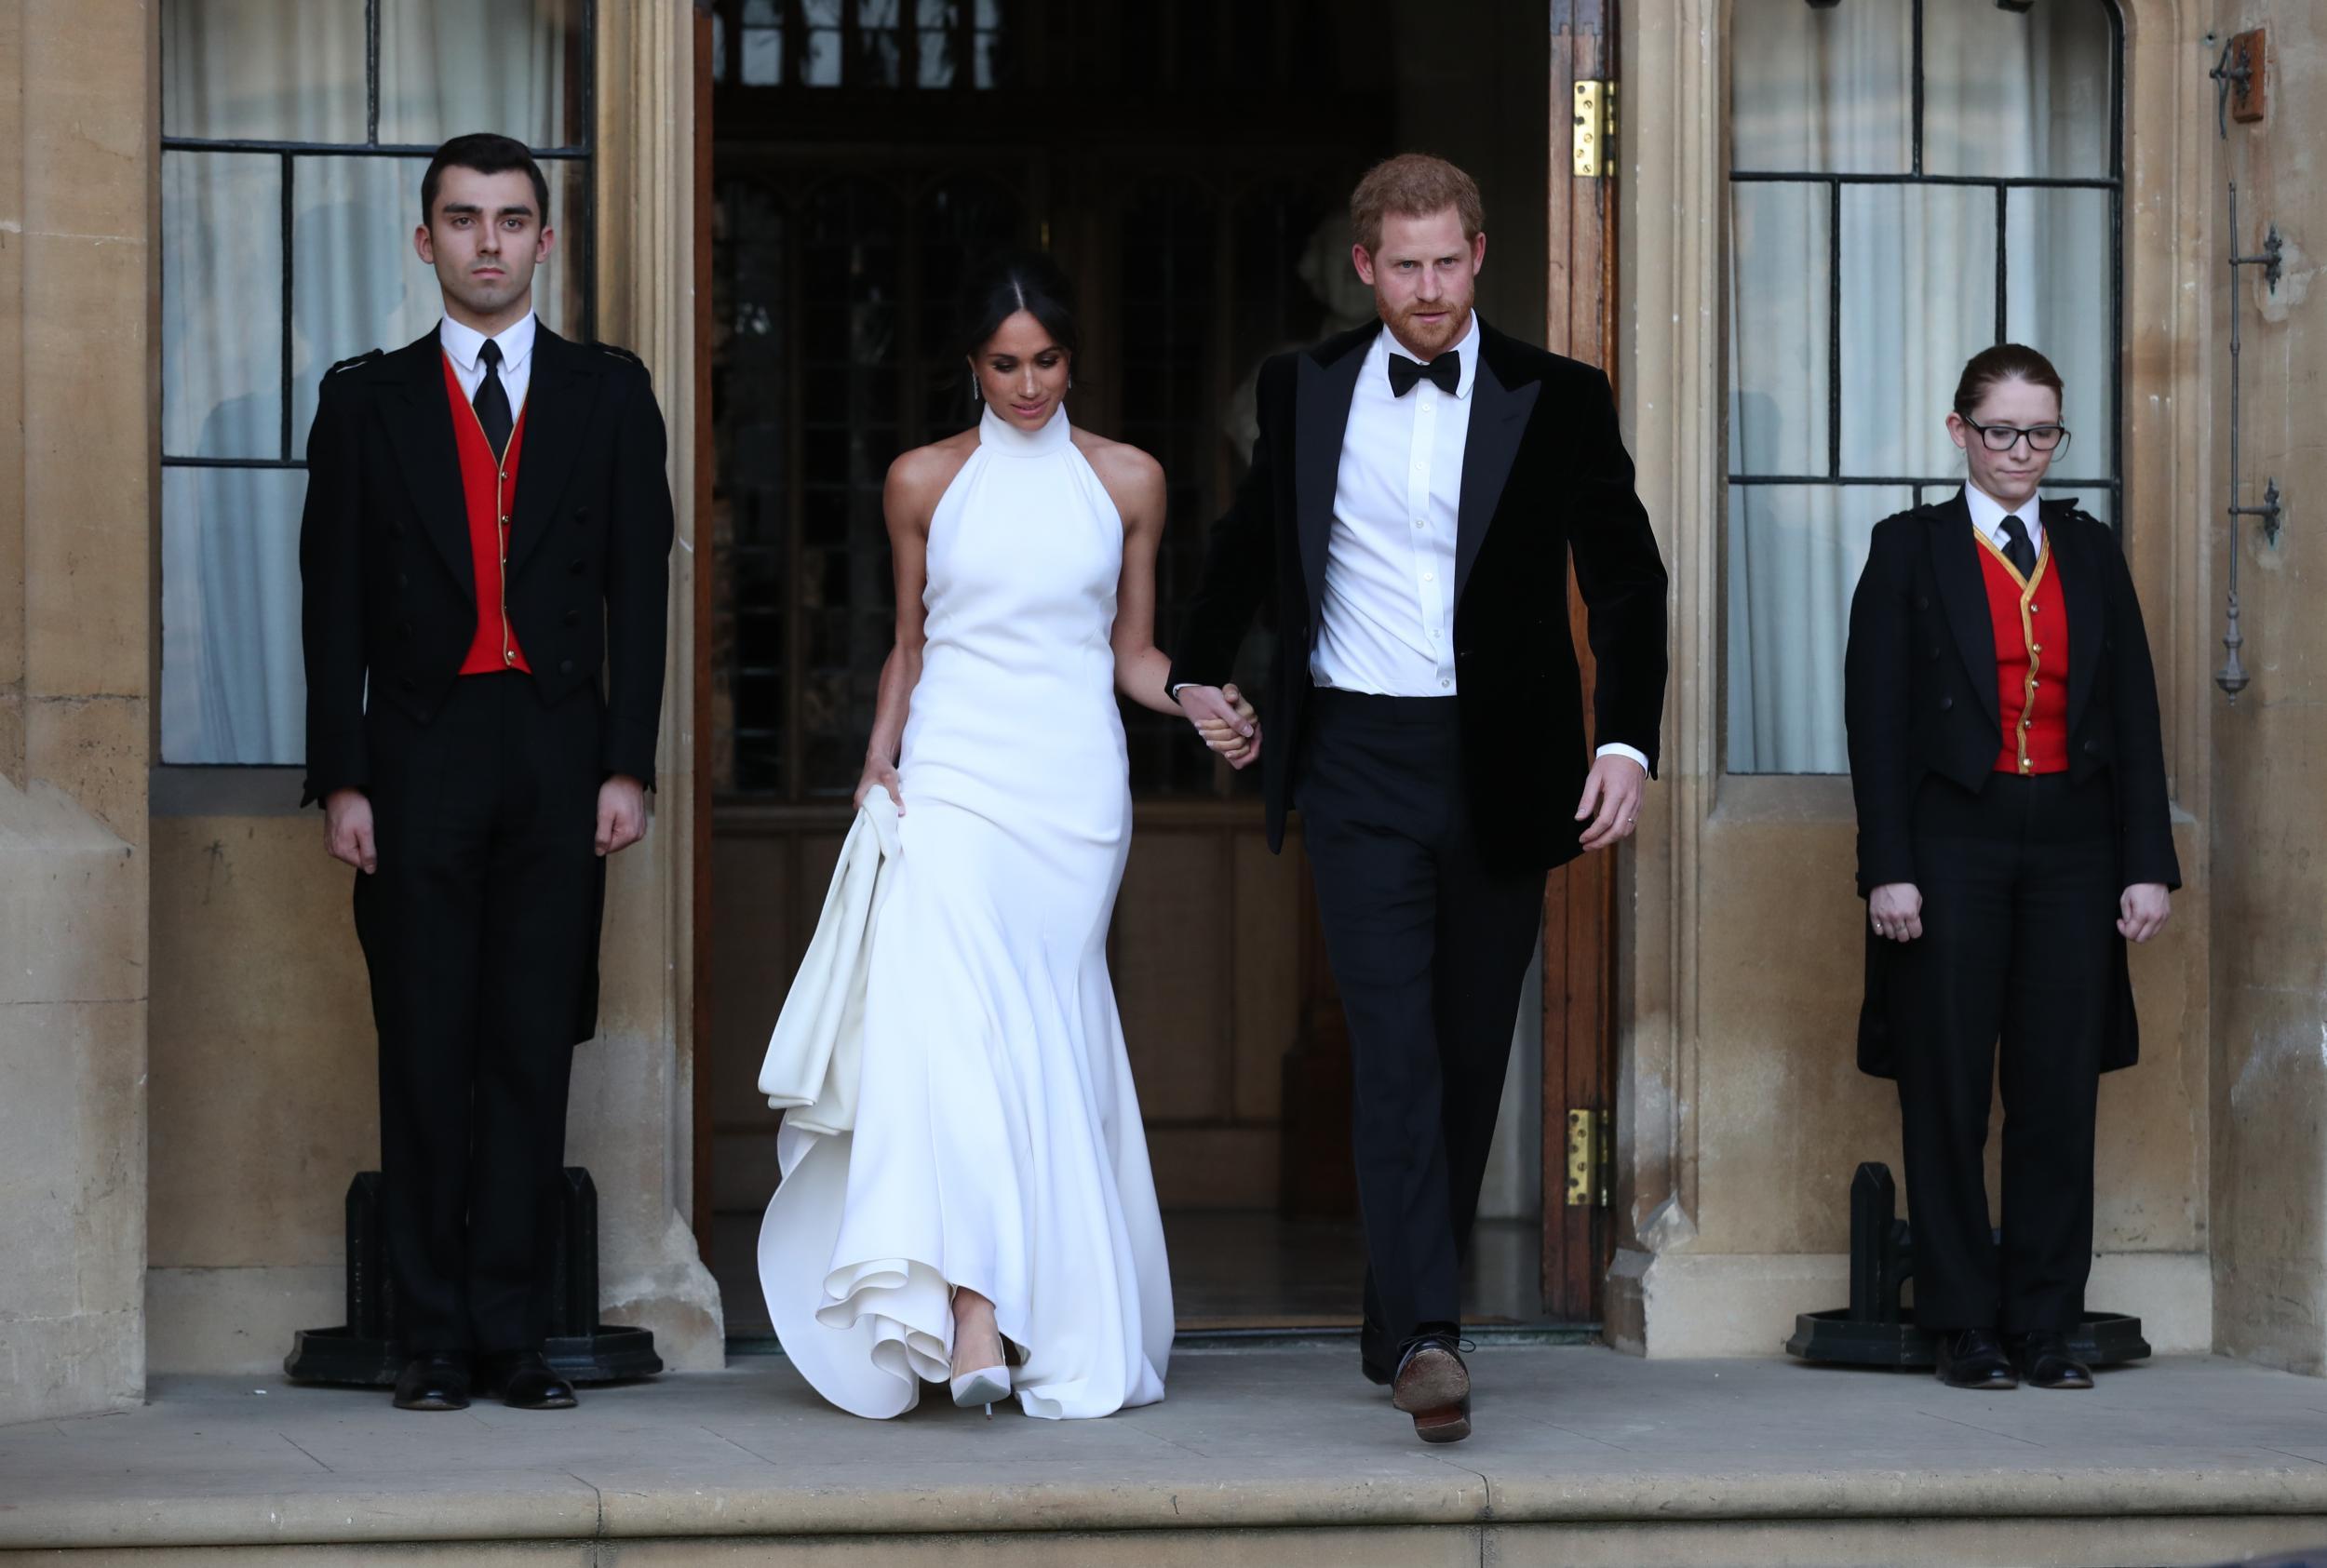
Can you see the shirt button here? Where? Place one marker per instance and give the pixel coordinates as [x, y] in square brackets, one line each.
[1418, 523]
[1430, 577]
[1442, 681]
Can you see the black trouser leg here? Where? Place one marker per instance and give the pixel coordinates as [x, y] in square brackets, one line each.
[2017, 915]
[477, 929]
[2056, 1014]
[1421, 935]
[421, 919]
[542, 897]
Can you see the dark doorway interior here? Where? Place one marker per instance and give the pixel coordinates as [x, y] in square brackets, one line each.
[1189, 164]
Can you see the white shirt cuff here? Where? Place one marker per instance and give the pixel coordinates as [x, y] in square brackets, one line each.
[1617, 748]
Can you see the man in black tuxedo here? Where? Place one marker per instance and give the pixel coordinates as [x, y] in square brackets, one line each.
[1412, 503]
[487, 531]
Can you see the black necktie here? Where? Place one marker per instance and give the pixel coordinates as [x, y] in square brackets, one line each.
[1444, 372]
[2017, 549]
[491, 402]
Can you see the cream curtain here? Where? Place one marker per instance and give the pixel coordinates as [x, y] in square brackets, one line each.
[1829, 89]
[294, 70]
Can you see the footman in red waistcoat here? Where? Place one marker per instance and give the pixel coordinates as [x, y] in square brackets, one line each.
[484, 570]
[2010, 774]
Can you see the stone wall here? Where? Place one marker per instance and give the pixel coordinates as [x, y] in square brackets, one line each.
[2268, 827]
[76, 166]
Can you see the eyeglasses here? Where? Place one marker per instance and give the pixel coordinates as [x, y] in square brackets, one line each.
[2003, 437]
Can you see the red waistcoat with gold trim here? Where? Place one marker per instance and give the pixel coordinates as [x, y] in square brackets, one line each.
[2031, 622]
[488, 491]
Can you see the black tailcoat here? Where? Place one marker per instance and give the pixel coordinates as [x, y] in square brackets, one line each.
[1921, 699]
[383, 549]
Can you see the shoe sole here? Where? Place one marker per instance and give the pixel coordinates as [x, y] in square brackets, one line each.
[1436, 1380]
[431, 1404]
[1449, 1425]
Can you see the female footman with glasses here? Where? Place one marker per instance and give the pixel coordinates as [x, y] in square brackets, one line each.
[2009, 778]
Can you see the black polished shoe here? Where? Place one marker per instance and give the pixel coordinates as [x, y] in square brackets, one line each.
[1433, 1386]
[2046, 1361]
[1975, 1359]
[524, 1381]
[433, 1382]
[1376, 1353]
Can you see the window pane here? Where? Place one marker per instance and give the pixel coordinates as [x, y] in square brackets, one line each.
[279, 70]
[1778, 310]
[820, 62]
[2017, 92]
[448, 67]
[933, 65]
[1919, 299]
[763, 57]
[233, 681]
[1829, 89]
[2057, 248]
[357, 283]
[222, 305]
[1794, 555]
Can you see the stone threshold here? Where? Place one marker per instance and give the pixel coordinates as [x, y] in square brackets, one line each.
[1581, 1455]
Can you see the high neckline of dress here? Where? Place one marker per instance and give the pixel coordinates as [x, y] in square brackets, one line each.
[1006, 439]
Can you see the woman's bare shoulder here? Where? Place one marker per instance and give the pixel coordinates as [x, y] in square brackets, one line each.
[1130, 474]
[919, 477]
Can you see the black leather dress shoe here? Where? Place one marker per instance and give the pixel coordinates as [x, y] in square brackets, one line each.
[433, 1382]
[524, 1381]
[1433, 1386]
[1975, 1359]
[2045, 1361]
[1376, 1353]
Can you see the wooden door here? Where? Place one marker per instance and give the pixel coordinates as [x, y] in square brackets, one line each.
[1578, 902]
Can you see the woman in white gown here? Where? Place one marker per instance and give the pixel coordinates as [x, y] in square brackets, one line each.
[997, 1227]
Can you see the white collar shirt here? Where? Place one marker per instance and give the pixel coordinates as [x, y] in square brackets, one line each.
[1988, 514]
[463, 345]
[1385, 624]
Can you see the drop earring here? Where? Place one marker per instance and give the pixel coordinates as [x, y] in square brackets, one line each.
[976, 394]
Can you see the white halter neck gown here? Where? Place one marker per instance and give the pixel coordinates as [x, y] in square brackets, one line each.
[998, 1144]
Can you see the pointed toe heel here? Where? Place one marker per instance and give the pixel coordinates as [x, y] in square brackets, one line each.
[982, 1387]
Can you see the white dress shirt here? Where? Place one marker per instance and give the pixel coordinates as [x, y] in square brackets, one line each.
[465, 343]
[1385, 624]
[1988, 514]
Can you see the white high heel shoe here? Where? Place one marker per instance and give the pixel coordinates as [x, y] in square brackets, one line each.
[984, 1385]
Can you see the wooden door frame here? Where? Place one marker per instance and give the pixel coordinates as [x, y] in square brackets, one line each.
[1580, 899]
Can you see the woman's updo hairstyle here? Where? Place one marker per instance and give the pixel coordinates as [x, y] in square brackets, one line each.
[2005, 362]
[1026, 280]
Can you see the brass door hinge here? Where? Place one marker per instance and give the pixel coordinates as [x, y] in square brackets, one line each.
[1594, 139]
[1591, 1157]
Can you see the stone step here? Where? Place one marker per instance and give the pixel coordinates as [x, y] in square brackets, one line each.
[1278, 1458]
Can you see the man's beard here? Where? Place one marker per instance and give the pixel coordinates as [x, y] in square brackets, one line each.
[1420, 335]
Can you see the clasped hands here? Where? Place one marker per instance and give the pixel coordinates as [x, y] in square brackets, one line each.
[1611, 793]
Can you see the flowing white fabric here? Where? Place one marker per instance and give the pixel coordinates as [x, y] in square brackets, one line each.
[998, 1145]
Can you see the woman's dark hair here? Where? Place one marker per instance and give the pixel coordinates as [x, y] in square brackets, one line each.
[2005, 362]
[487, 154]
[1025, 280]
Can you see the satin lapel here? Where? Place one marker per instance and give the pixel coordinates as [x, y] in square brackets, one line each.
[2072, 547]
[560, 398]
[1321, 418]
[1498, 418]
[420, 425]
[1956, 563]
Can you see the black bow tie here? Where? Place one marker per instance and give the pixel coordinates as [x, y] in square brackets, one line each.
[1444, 372]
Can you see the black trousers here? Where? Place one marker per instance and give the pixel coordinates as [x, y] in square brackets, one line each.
[480, 933]
[1429, 931]
[2020, 903]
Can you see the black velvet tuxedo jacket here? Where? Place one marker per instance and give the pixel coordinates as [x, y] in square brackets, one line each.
[1921, 699]
[387, 580]
[1544, 472]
